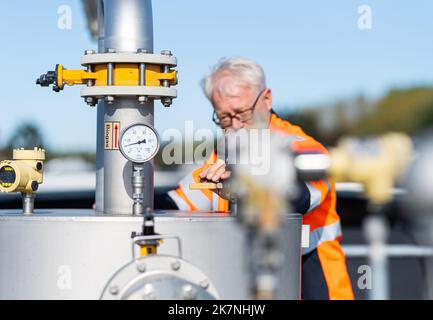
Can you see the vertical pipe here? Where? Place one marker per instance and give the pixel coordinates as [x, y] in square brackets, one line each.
[376, 232]
[99, 193]
[28, 203]
[127, 27]
[138, 185]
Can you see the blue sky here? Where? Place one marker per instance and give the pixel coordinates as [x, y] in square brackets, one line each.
[312, 52]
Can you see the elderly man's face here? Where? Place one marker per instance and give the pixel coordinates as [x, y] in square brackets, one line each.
[233, 102]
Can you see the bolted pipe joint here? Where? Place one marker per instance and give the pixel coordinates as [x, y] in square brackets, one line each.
[138, 186]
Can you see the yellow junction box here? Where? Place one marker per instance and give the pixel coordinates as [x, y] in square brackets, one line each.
[24, 173]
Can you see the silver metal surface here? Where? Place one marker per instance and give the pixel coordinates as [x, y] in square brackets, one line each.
[99, 192]
[128, 25]
[117, 169]
[125, 26]
[71, 254]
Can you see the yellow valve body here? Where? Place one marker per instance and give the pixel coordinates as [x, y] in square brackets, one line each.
[124, 74]
[376, 172]
[148, 249]
[20, 174]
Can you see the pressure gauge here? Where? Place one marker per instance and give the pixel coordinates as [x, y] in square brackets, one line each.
[139, 143]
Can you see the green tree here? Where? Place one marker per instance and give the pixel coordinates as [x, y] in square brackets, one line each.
[27, 136]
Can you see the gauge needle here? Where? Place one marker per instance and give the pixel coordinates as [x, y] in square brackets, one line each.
[138, 142]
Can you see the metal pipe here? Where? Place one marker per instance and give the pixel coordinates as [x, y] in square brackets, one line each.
[99, 192]
[28, 203]
[138, 183]
[393, 251]
[376, 232]
[126, 26]
[142, 81]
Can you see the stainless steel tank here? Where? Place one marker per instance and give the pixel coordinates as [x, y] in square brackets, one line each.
[72, 254]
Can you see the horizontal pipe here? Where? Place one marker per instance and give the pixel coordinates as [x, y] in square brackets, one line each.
[394, 251]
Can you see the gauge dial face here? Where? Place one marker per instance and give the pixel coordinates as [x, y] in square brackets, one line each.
[139, 143]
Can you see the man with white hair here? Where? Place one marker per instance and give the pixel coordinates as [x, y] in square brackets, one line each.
[236, 87]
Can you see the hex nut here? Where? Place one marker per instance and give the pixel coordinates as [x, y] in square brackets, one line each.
[141, 267]
[175, 265]
[114, 290]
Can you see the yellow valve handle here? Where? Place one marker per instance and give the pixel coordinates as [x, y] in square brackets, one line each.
[205, 186]
[148, 249]
[168, 76]
[72, 77]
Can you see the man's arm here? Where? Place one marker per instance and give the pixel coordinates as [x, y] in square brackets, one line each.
[310, 195]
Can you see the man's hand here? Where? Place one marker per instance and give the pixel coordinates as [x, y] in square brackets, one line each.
[217, 173]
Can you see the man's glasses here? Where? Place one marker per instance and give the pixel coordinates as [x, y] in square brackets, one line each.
[243, 116]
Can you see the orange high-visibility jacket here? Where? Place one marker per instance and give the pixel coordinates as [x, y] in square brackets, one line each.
[321, 216]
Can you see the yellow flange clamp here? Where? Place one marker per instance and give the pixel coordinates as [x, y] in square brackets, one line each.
[143, 75]
[124, 75]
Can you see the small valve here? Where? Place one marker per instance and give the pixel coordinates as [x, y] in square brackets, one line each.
[51, 77]
[46, 79]
[140, 75]
[23, 174]
[147, 246]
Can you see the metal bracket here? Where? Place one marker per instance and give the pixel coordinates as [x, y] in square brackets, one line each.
[135, 241]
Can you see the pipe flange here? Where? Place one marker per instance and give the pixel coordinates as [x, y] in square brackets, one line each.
[147, 58]
[159, 277]
[150, 92]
